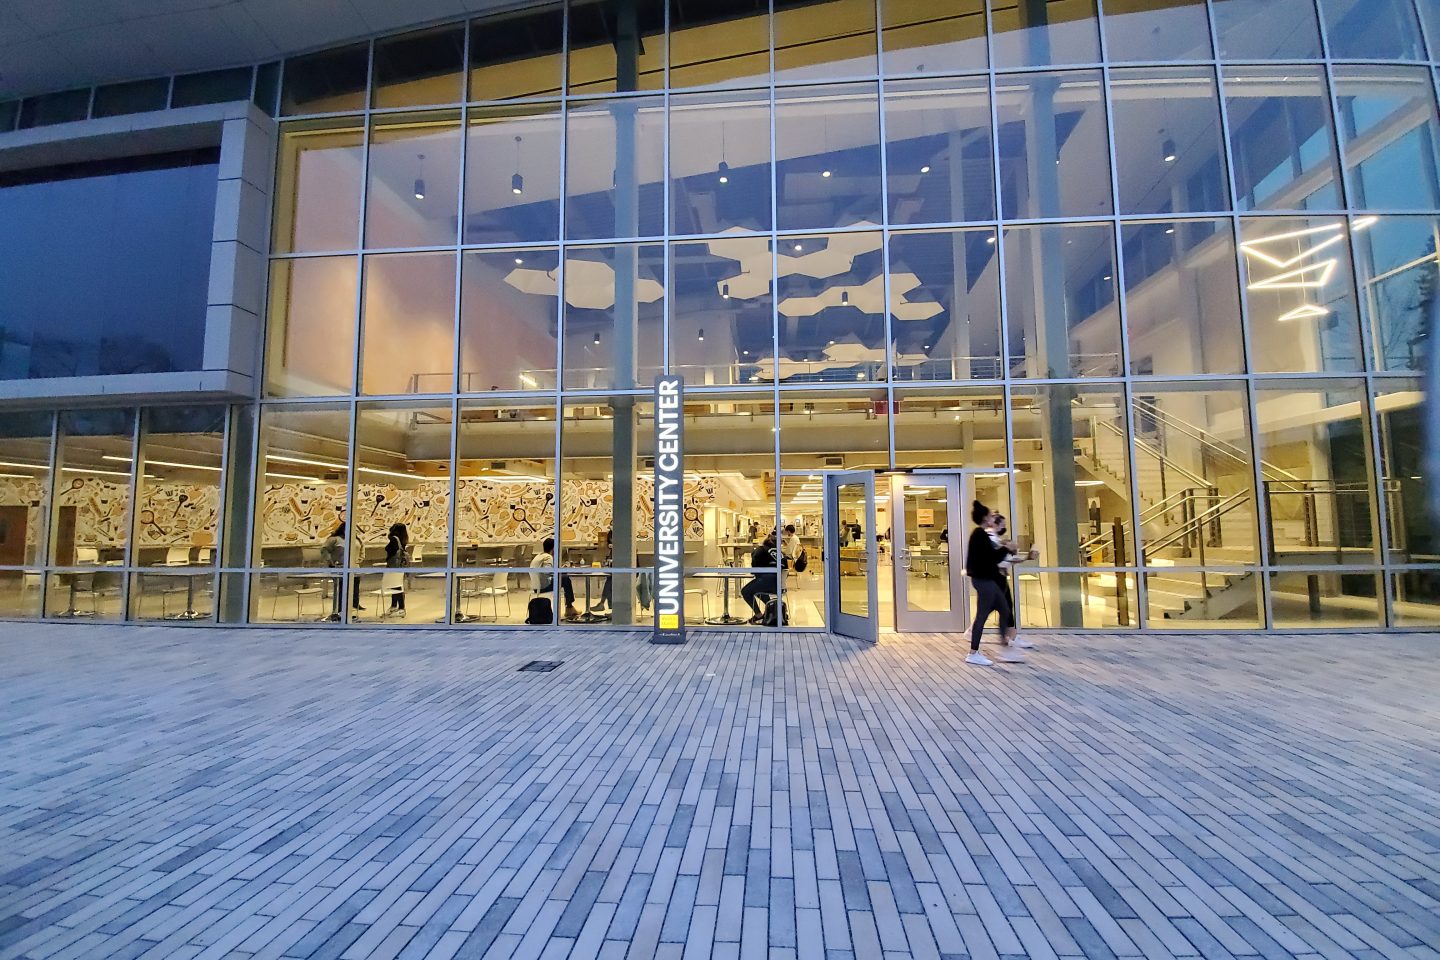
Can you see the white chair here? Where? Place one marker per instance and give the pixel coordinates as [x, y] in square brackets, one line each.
[165, 587]
[704, 596]
[177, 557]
[203, 555]
[317, 588]
[499, 587]
[392, 584]
[87, 555]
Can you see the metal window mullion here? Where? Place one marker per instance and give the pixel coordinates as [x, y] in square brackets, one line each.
[457, 354]
[45, 555]
[1262, 511]
[132, 523]
[217, 553]
[1380, 511]
[1227, 153]
[352, 521]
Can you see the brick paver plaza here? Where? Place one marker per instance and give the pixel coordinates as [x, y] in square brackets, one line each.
[179, 793]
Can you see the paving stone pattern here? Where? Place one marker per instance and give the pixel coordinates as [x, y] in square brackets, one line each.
[181, 793]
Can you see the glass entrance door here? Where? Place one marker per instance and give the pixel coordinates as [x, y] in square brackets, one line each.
[850, 588]
[929, 533]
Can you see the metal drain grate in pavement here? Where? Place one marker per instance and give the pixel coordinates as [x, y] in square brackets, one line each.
[540, 666]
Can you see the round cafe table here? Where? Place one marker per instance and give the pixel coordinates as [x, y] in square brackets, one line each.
[589, 576]
[725, 577]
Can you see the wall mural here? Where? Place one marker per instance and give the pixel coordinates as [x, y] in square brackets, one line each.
[171, 514]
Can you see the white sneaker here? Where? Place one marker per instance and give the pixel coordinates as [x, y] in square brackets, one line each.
[979, 659]
[1012, 656]
[1024, 644]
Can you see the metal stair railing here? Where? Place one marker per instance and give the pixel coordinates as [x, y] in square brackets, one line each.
[1197, 524]
[1268, 470]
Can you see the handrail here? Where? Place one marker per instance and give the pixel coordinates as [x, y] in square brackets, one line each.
[1228, 449]
[1199, 521]
[1148, 514]
[1157, 454]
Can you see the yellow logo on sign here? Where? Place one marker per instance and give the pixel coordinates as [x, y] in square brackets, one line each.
[669, 621]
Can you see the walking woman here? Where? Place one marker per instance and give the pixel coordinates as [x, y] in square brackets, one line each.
[397, 549]
[983, 559]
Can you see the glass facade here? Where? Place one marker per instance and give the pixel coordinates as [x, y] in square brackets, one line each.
[1163, 271]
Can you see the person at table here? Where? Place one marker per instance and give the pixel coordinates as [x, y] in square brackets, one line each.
[790, 543]
[603, 606]
[541, 580]
[765, 555]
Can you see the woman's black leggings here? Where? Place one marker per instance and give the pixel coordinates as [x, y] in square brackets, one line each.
[990, 597]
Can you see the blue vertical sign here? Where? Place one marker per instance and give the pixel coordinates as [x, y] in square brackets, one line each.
[669, 510]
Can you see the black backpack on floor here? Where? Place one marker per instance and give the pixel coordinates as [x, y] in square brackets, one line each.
[540, 611]
[774, 614]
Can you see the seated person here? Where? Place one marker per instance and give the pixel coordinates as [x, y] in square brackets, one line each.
[541, 582]
[765, 555]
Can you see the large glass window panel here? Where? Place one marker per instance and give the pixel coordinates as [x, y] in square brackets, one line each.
[824, 39]
[413, 180]
[24, 485]
[1388, 130]
[1396, 259]
[1282, 144]
[1061, 291]
[1300, 294]
[1213, 599]
[827, 150]
[1372, 29]
[719, 163]
[1182, 297]
[91, 522]
[1054, 157]
[48, 109]
[517, 53]
[615, 169]
[1194, 474]
[802, 497]
[830, 296]
[512, 175]
[20, 593]
[1107, 598]
[1029, 34]
[332, 81]
[1169, 151]
[1316, 467]
[614, 316]
[938, 151]
[1156, 30]
[178, 492]
[408, 326]
[310, 336]
[834, 430]
[1417, 598]
[317, 186]
[508, 297]
[505, 484]
[1319, 599]
[945, 305]
[921, 37]
[949, 427]
[304, 457]
[1401, 413]
[137, 96]
[719, 44]
[1266, 29]
[211, 86]
[421, 68]
[1072, 477]
[721, 322]
[729, 487]
[402, 477]
[617, 46]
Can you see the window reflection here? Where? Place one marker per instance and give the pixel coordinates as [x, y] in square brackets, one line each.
[91, 521]
[1400, 421]
[310, 333]
[1182, 297]
[614, 178]
[178, 493]
[920, 37]
[824, 39]
[420, 68]
[945, 305]
[1300, 294]
[720, 315]
[949, 427]
[331, 81]
[830, 293]
[1281, 140]
[1396, 260]
[1044, 34]
[512, 175]
[1315, 465]
[1266, 29]
[505, 483]
[614, 307]
[413, 178]
[407, 330]
[317, 186]
[1053, 151]
[517, 54]
[1388, 129]
[1063, 320]
[1169, 157]
[719, 43]
[24, 485]
[939, 162]
[720, 163]
[617, 46]
[827, 148]
[508, 297]
[1372, 29]
[817, 429]
[1156, 30]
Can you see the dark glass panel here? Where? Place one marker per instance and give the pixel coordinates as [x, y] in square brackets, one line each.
[719, 43]
[328, 82]
[617, 46]
[212, 86]
[53, 108]
[267, 86]
[138, 96]
[421, 68]
[517, 54]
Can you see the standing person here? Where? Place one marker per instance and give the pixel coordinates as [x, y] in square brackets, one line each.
[982, 565]
[766, 582]
[397, 547]
[998, 530]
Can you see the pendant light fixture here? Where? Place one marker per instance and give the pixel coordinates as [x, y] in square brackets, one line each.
[517, 182]
[825, 133]
[725, 291]
[723, 169]
[925, 169]
[844, 298]
[701, 336]
[420, 179]
[1168, 151]
[597, 338]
